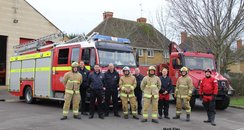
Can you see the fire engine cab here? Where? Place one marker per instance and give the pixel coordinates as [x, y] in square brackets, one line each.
[37, 69]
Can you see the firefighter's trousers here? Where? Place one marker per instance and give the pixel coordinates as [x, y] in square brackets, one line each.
[133, 103]
[75, 97]
[147, 102]
[210, 108]
[179, 105]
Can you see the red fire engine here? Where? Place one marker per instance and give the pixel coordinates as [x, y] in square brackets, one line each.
[37, 69]
[196, 63]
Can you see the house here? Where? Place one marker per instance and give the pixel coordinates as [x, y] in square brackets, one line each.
[151, 45]
[189, 43]
[19, 23]
[238, 66]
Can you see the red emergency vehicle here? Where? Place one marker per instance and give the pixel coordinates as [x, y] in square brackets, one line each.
[37, 69]
[196, 62]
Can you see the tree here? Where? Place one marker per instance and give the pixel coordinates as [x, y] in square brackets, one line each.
[214, 23]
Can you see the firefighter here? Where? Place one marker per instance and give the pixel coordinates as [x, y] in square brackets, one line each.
[72, 81]
[138, 92]
[164, 91]
[208, 91]
[96, 81]
[111, 85]
[183, 92]
[83, 87]
[150, 86]
[127, 84]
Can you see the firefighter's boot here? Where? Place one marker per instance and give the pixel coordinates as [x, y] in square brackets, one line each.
[64, 118]
[144, 120]
[207, 121]
[135, 117]
[126, 116]
[187, 117]
[154, 120]
[77, 117]
[176, 117]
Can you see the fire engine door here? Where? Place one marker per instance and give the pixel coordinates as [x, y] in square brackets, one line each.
[63, 58]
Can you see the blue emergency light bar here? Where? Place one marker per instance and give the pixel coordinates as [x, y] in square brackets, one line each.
[109, 38]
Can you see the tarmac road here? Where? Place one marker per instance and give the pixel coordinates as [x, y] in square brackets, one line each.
[45, 115]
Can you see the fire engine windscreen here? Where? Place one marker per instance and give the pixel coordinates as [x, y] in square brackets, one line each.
[199, 63]
[116, 57]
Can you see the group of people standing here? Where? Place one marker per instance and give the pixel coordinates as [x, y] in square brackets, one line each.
[154, 91]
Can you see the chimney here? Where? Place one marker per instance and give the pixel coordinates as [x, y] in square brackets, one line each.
[107, 15]
[239, 43]
[183, 36]
[141, 20]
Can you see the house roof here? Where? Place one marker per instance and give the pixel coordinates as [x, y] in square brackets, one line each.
[141, 35]
[193, 44]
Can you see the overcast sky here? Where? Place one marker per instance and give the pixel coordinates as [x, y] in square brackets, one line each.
[80, 16]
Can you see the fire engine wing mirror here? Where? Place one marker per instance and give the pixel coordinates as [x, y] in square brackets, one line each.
[137, 59]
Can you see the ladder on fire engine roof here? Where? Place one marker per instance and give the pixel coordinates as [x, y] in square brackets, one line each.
[81, 38]
[36, 44]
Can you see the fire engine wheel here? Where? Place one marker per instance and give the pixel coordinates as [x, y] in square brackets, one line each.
[29, 95]
[223, 104]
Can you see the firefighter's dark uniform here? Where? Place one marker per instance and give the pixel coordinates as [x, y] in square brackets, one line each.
[111, 85]
[163, 102]
[83, 88]
[138, 92]
[96, 81]
[208, 90]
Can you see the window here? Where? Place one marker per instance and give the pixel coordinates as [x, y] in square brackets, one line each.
[199, 63]
[89, 56]
[140, 52]
[63, 56]
[177, 64]
[116, 57]
[75, 55]
[150, 53]
[86, 56]
[92, 57]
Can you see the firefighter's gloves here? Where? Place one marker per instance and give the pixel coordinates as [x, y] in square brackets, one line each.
[128, 90]
[188, 98]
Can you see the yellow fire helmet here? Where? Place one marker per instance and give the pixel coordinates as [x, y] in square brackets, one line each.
[184, 69]
[74, 64]
[151, 68]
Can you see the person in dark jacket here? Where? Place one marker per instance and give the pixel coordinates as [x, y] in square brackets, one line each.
[96, 81]
[166, 87]
[83, 87]
[138, 92]
[111, 85]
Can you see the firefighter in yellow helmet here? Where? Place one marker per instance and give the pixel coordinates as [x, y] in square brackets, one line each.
[72, 81]
[127, 84]
[150, 86]
[183, 92]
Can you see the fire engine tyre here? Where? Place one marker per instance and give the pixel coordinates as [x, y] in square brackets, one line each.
[192, 102]
[223, 104]
[29, 95]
